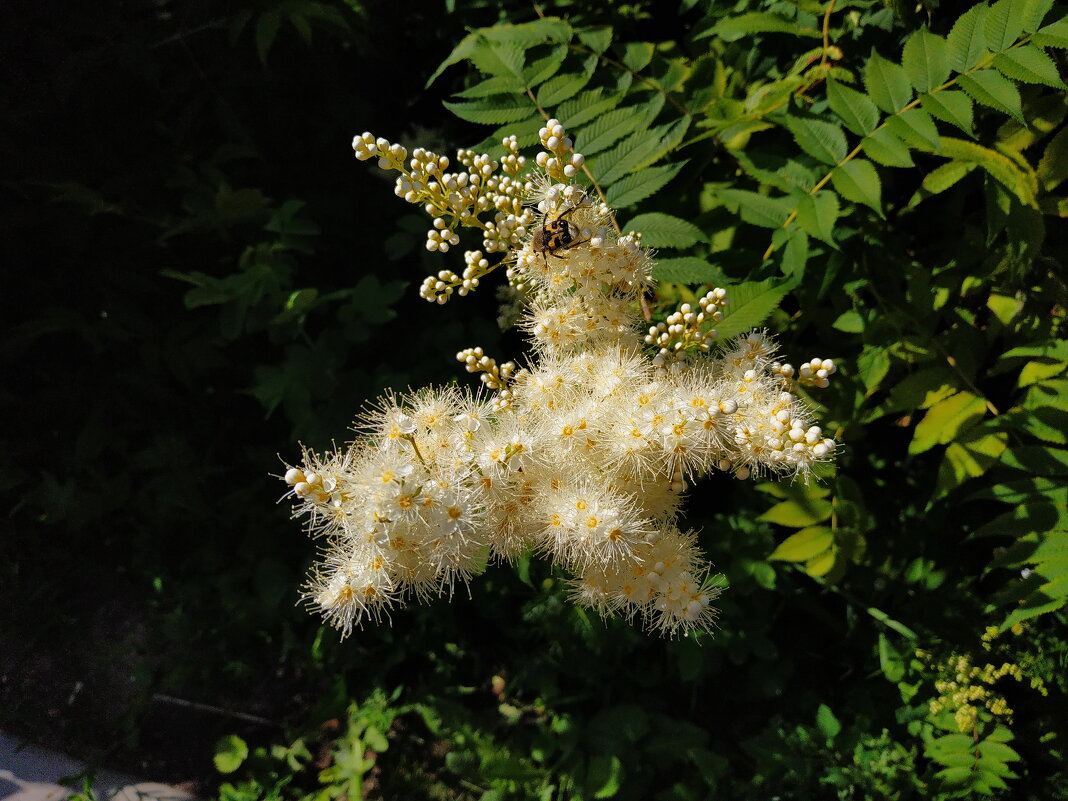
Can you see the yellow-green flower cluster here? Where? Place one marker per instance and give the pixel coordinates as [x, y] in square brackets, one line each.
[966, 689]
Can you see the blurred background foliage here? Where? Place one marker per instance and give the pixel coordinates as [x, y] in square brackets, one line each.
[200, 276]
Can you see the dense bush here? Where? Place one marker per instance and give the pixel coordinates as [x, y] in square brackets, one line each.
[200, 285]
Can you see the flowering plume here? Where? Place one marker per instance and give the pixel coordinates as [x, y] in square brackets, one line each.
[584, 456]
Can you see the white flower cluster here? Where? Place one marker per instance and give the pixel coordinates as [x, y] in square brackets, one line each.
[583, 457]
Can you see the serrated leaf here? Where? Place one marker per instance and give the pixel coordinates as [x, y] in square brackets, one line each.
[925, 59]
[940, 179]
[993, 90]
[587, 106]
[615, 163]
[734, 28]
[854, 108]
[527, 34]
[884, 147]
[945, 420]
[1053, 166]
[498, 58]
[750, 305]
[858, 181]
[1030, 65]
[1053, 35]
[755, 208]
[795, 255]
[823, 141]
[560, 88]
[966, 40]
[950, 106]
[1033, 12]
[997, 165]
[804, 544]
[688, 270]
[661, 230]
[915, 127]
[817, 214]
[607, 129]
[640, 185]
[495, 85]
[1003, 24]
[489, 112]
[544, 68]
[887, 84]
[637, 55]
[597, 39]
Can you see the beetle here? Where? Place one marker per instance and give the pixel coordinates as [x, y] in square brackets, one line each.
[555, 236]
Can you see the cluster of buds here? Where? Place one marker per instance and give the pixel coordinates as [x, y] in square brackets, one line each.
[813, 373]
[584, 456]
[685, 330]
[559, 160]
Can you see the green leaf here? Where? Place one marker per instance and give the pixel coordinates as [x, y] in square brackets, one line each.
[925, 59]
[887, 84]
[915, 127]
[823, 141]
[638, 150]
[495, 85]
[795, 254]
[858, 181]
[803, 545]
[1053, 166]
[230, 752]
[734, 28]
[950, 106]
[1003, 24]
[872, 366]
[751, 304]
[966, 40]
[266, 30]
[640, 185]
[827, 723]
[854, 108]
[886, 149]
[637, 55]
[940, 179]
[1034, 11]
[945, 420]
[755, 208]
[688, 270]
[587, 106]
[1030, 65]
[597, 39]
[1053, 35]
[993, 90]
[817, 214]
[607, 129]
[604, 775]
[489, 112]
[803, 511]
[502, 59]
[891, 661]
[544, 68]
[661, 230]
[562, 87]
